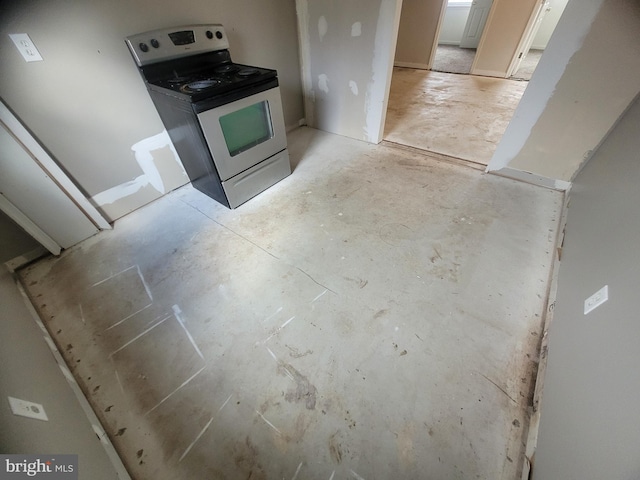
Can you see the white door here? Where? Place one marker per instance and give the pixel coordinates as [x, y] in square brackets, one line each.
[530, 33]
[31, 191]
[475, 23]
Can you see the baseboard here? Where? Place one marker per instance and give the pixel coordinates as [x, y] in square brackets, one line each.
[534, 421]
[421, 66]
[451, 44]
[532, 178]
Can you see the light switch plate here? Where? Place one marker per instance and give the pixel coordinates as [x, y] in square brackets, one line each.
[596, 299]
[25, 408]
[26, 47]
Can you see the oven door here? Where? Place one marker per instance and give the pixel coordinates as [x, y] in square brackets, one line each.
[245, 132]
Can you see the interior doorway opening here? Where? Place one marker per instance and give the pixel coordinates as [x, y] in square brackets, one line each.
[466, 117]
[462, 24]
[459, 35]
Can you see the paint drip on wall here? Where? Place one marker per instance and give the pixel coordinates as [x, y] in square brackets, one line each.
[354, 87]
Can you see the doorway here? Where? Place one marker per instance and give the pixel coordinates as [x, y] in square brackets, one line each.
[459, 34]
[465, 116]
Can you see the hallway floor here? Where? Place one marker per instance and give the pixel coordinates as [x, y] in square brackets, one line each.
[453, 59]
[463, 116]
[375, 315]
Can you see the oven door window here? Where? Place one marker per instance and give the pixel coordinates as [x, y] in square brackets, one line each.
[247, 127]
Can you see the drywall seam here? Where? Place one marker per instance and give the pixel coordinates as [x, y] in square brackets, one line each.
[150, 176]
[323, 83]
[323, 27]
[302, 9]
[121, 191]
[356, 29]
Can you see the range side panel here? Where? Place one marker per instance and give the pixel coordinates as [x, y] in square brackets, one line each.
[185, 133]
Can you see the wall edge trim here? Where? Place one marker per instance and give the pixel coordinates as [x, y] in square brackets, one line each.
[532, 178]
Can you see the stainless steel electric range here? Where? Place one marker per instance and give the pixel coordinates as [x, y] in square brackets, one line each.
[224, 119]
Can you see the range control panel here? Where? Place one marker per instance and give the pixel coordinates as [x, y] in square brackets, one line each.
[170, 43]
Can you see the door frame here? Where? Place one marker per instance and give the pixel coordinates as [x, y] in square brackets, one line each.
[523, 39]
[40, 156]
[434, 48]
[527, 37]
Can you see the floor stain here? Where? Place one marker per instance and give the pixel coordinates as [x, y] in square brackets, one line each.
[245, 457]
[304, 391]
[295, 353]
[335, 448]
[380, 313]
[404, 445]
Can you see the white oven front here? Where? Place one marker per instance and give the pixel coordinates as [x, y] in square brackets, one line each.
[245, 132]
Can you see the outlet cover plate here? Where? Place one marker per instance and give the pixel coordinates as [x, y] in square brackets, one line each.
[28, 409]
[597, 299]
[26, 47]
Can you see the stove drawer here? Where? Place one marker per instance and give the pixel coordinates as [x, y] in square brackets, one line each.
[251, 182]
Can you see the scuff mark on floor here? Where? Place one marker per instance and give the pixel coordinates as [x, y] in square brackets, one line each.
[304, 391]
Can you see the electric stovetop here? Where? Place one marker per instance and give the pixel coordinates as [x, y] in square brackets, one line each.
[205, 76]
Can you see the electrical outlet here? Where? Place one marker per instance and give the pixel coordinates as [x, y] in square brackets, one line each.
[25, 408]
[596, 299]
[26, 47]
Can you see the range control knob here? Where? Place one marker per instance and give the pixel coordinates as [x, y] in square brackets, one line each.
[144, 47]
[218, 34]
[155, 43]
[209, 34]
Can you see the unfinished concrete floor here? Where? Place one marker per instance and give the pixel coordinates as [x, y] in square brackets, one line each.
[463, 116]
[375, 315]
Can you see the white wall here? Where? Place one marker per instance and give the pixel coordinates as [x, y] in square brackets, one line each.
[452, 26]
[86, 102]
[589, 74]
[590, 427]
[347, 51]
[548, 24]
